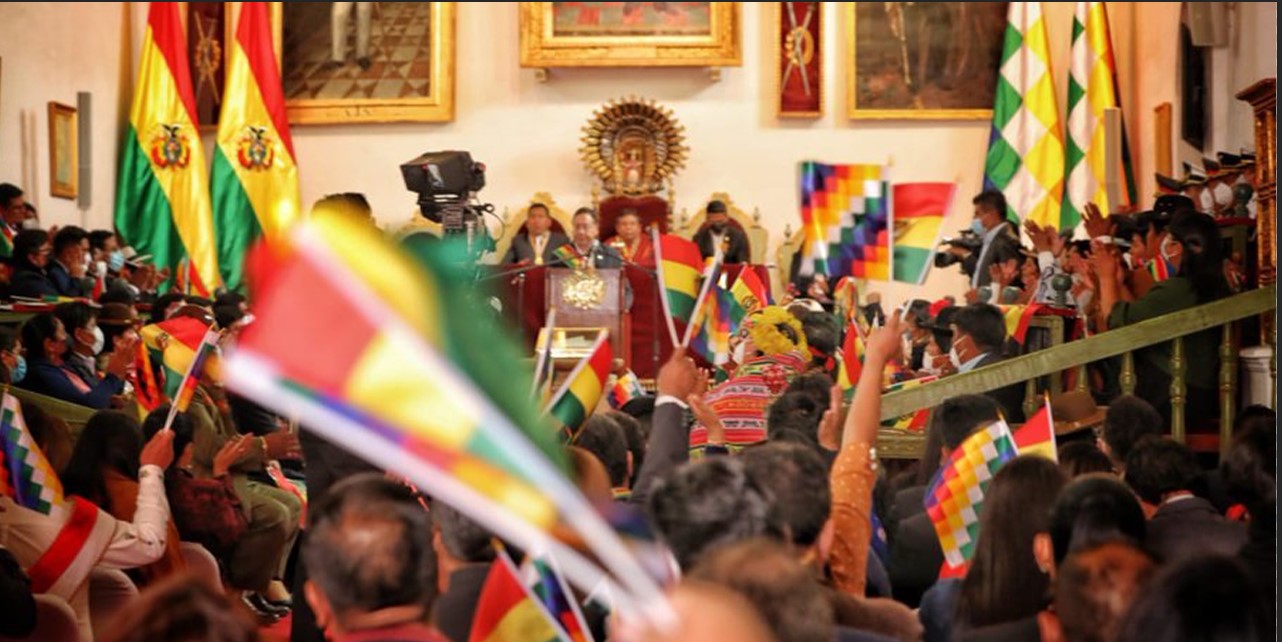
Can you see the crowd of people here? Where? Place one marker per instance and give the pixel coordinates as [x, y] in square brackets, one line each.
[782, 519]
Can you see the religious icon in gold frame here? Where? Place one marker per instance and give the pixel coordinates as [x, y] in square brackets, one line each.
[630, 34]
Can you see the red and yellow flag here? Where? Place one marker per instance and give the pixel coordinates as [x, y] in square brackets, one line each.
[162, 198]
[254, 178]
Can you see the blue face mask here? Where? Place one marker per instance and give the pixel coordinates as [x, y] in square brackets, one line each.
[116, 261]
[977, 227]
[19, 371]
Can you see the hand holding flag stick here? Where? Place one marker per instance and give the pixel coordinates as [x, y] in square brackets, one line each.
[187, 390]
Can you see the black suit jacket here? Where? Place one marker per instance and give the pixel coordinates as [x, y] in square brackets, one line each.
[1005, 246]
[1010, 398]
[915, 559]
[737, 252]
[606, 257]
[1190, 527]
[523, 250]
[453, 611]
[64, 283]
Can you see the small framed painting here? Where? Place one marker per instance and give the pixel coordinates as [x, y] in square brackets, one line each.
[799, 65]
[630, 34]
[64, 163]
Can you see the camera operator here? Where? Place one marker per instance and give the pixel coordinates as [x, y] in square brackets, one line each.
[991, 240]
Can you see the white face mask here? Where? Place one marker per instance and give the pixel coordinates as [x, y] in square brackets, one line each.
[1162, 249]
[1223, 194]
[30, 224]
[954, 359]
[1206, 201]
[740, 351]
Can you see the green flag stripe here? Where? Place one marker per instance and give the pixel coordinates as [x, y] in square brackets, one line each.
[569, 411]
[680, 304]
[235, 222]
[910, 263]
[143, 214]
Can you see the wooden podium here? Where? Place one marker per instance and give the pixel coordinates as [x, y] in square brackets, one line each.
[592, 298]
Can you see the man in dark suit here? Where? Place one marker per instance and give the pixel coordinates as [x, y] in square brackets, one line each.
[464, 553]
[70, 263]
[587, 244]
[979, 336]
[717, 232]
[1163, 472]
[1000, 241]
[537, 245]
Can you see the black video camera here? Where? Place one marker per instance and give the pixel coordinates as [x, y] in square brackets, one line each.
[445, 183]
[968, 240]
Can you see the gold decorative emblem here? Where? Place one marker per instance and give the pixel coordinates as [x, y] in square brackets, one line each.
[634, 146]
[170, 147]
[254, 150]
[583, 290]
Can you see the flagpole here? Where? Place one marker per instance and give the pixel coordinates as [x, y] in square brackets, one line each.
[663, 288]
[699, 303]
[546, 353]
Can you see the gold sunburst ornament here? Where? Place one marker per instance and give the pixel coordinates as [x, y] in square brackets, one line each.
[633, 145]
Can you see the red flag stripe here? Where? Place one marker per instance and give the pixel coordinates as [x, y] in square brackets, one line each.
[255, 37]
[167, 34]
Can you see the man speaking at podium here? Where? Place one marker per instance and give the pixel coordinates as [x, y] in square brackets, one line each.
[587, 249]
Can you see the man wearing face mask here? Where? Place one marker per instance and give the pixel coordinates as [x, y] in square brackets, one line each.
[14, 364]
[1000, 243]
[719, 235]
[70, 267]
[979, 337]
[46, 341]
[84, 339]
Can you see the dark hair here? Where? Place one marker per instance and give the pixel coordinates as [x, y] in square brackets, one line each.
[464, 539]
[182, 608]
[68, 236]
[634, 435]
[941, 330]
[918, 311]
[1250, 467]
[1092, 510]
[1004, 583]
[950, 424]
[1128, 420]
[229, 298]
[816, 385]
[346, 200]
[164, 301]
[26, 243]
[75, 315]
[798, 481]
[226, 315]
[1077, 458]
[36, 330]
[118, 295]
[628, 212]
[369, 546]
[779, 587]
[183, 428]
[1202, 262]
[993, 200]
[8, 338]
[984, 324]
[98, 238]
[1157, 466]
[537, 205]
[8, 192]
[602, 437]
[710, 503]
[795, 413]
[110, 440]
[1202, 598]
[820, 329]
[586, 211]
[1096, 587]
[50, 433]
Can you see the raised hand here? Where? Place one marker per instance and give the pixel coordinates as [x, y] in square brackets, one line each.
[233, 452]
[1096, 223]
[159, 450]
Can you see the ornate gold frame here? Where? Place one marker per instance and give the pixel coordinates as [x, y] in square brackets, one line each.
[855, 113]
[540, 48]
[69, 189]
[438, 107]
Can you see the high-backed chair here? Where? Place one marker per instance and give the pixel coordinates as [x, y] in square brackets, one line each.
[785, 257]
[650, 208]
[758, 237]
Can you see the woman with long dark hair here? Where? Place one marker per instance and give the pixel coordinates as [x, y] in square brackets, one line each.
[1005, 582]
[1194, 248]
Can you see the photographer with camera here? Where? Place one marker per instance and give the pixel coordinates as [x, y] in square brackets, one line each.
[990, 241]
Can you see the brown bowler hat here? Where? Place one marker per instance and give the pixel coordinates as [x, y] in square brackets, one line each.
[1075, 411]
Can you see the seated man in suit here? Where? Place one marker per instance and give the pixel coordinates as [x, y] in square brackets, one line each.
[718, 233]
[979, 335]
[70, 264]
[536, 246]
[586, 244]
[631, 241]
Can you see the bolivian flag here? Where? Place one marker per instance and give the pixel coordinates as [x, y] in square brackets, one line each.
[254, 181]
[749, 295]
[175, 344]
[680, 266]
[582, 390]
[508, 612]
[162, 199]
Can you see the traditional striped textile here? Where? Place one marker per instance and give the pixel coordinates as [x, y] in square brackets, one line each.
[919, 217]
[508, 612]
[846, 219]
[582, 390]
[955, 498]
[741, 401]
[254, 180]
[1092, 88]
[570, 256]
[1025, 159]
[162, 194]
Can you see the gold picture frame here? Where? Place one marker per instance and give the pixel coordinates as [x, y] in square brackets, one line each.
[437, 105]
[987, 24]
[621, 44]
[64, 151]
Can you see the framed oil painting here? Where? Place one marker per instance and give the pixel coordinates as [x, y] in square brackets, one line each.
[367, 62]
[923, 60]
[630, 34]
[64, 163]
[799, 65]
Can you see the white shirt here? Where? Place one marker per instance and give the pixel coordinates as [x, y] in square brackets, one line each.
[538, 243]
[972, 364]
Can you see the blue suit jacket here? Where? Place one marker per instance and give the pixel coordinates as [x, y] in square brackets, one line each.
[64, 283]
[48, 379]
